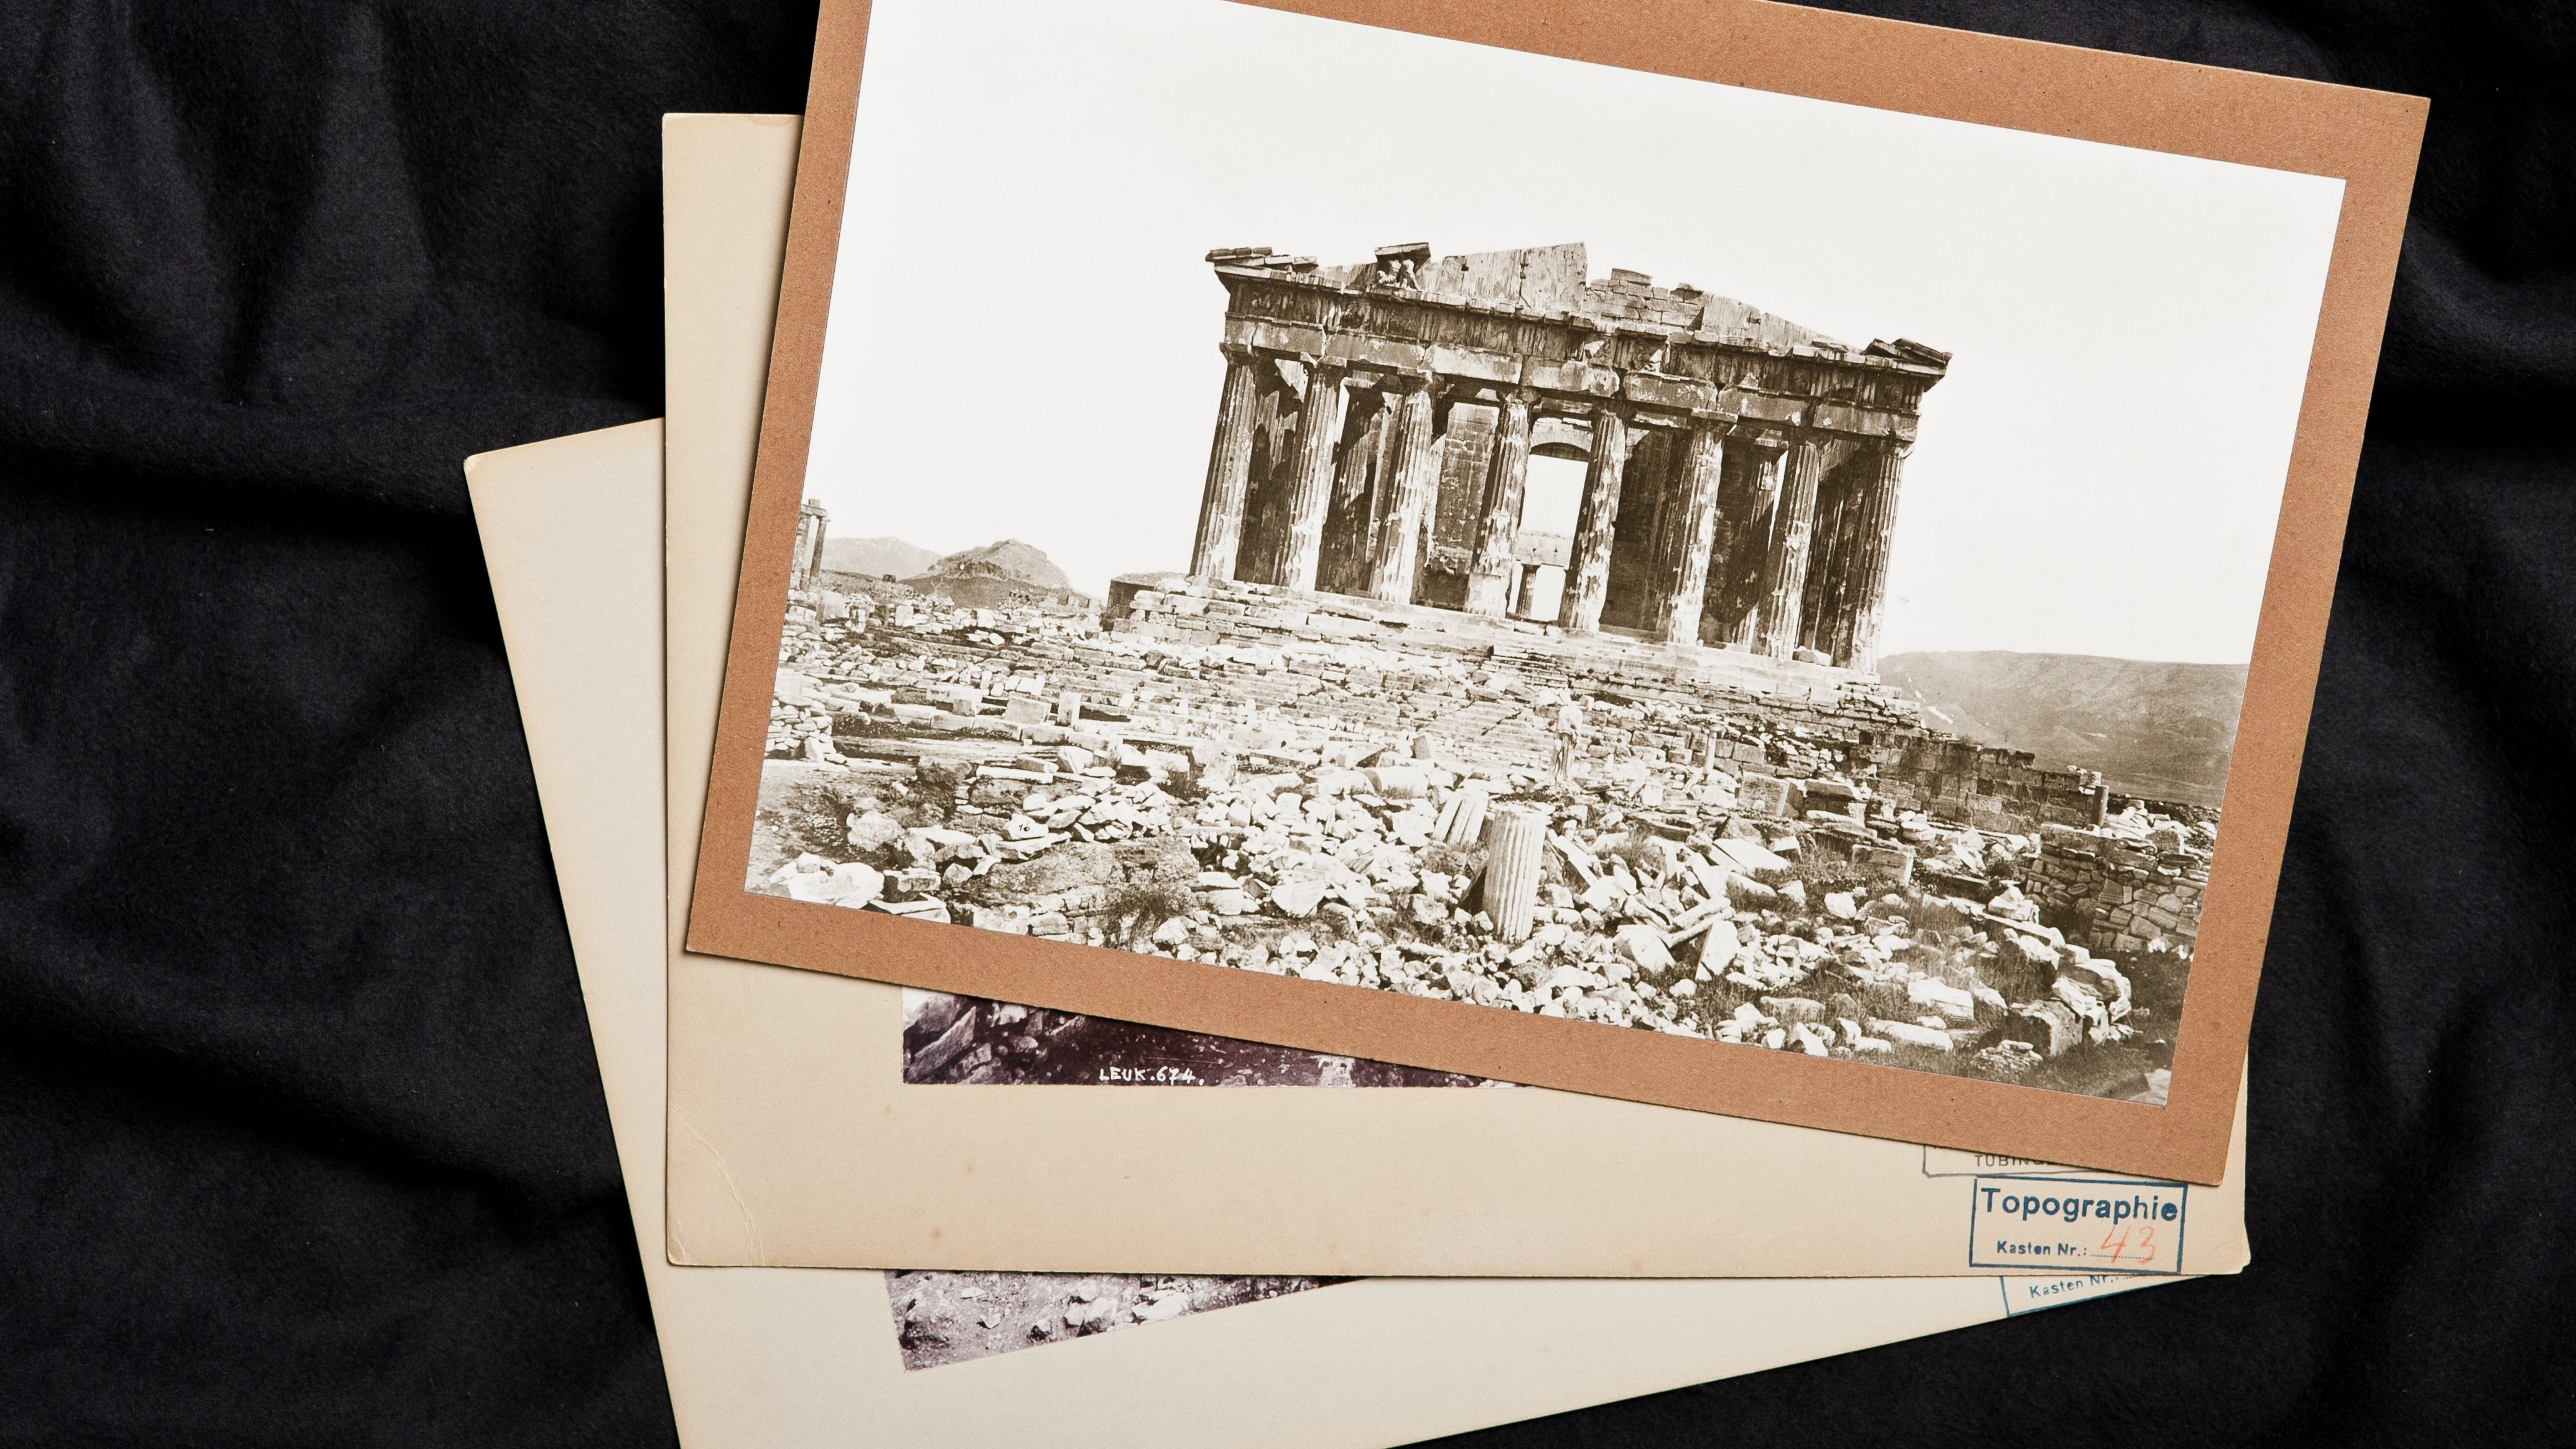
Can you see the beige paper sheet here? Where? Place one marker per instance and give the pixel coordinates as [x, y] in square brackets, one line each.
[793, 1141]
[788, 1358]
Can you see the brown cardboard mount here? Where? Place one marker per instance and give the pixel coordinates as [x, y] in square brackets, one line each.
[2368, 139]
[794, 1141]
[786, 1358]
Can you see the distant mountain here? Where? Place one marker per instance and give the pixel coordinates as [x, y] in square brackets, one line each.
[2164, 731]
[997, 574]
[874, 556]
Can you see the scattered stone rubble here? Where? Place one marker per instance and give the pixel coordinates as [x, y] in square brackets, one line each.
[967, 1040]
[951, 1317]
[1570, 828]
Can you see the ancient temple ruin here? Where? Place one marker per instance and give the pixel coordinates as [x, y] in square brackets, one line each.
[1378, 420]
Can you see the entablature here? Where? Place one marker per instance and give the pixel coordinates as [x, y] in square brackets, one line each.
[1871, 393]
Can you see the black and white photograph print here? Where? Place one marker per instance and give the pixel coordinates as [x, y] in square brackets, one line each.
[971, 1041]
[944, 1317]
[1430, 519]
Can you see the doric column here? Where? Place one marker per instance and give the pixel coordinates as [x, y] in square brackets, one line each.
[1274, 425]
[1350, 517]
[1831, 625]
[1748, 546]
[1489, 579]
[1596, 523]
[1784, 578]
[1229, 470]
[1310, 477]
[1872, 533]
[807, 560]
[1515, 848]
[1417, 476]
[1826, 556]
[1679, 607]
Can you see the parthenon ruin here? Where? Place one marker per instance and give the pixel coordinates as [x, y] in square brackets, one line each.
[1599, 737]
[1378, 421]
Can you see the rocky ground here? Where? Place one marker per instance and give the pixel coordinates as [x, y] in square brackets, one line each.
[972, 1041]
[1775, 905]
[943, 1317]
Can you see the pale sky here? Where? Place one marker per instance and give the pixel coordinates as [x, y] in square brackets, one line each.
[1023, 335]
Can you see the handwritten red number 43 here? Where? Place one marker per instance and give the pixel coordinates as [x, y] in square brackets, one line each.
[2141, 1236]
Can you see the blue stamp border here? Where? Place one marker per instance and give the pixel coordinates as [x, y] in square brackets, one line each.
[2181, 1232]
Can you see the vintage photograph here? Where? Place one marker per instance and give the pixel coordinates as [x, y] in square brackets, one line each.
[970, 1041]
[1782, 573]
[943, 1317]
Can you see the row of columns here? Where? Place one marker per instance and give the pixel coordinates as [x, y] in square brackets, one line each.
[1755, 575]
[1684, 543]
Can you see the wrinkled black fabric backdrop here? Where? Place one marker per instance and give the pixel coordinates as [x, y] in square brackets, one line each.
[301, 1142]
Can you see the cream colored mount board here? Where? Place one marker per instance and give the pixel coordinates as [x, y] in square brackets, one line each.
[794, 1141]
[784, 1358]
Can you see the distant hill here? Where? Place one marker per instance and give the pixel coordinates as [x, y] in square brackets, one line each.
[2165, 731]
[997, 574]
[888, 556]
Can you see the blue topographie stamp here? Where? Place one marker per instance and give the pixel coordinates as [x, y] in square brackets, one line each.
[2076, 1226]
